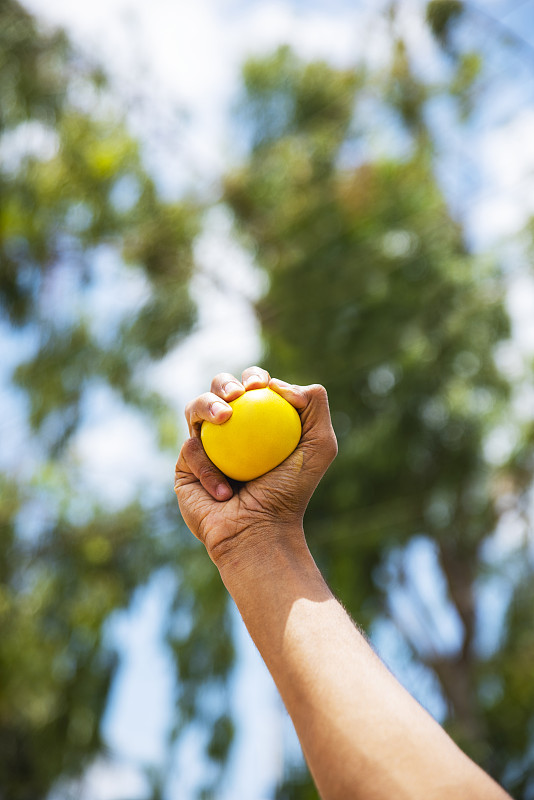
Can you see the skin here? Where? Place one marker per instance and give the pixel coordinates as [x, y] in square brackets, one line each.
[363, 735]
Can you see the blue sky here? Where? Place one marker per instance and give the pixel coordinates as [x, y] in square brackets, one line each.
[187, 55]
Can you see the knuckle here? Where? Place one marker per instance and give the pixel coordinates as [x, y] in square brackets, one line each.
[191, 447]
[331, 446]
[195, 407]
[178, 485]
[218, 380]
[255, 370]
[318, 390]
[206, 471]
[327, 442]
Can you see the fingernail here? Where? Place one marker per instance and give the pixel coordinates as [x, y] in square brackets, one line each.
[252, 379]
[232, 386]
[216, 408]
[281, 383]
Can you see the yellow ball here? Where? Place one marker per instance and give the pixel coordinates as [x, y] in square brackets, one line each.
[263, 431]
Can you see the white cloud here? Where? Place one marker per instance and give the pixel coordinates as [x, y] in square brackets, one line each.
[118, 452]
[110, 780]
[227, 336]
[191, 53]
[29, 139]
[314, 34]
[505, 157]
[508, 151]
[521, 305]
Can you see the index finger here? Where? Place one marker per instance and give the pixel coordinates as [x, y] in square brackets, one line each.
[227, 386]
[207, 406]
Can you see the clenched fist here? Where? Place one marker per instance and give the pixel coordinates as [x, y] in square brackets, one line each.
[229, 518]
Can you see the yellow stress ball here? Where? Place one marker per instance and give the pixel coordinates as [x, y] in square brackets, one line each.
[263, 431]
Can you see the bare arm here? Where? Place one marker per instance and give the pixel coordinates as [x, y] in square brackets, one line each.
[362, 734]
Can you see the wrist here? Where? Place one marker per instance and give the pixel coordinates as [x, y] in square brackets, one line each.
[270, 581]
[261, 554]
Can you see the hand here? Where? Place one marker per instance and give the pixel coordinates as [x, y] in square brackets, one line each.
[225, 516]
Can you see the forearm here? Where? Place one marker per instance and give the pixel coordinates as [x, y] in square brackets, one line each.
[362, 734]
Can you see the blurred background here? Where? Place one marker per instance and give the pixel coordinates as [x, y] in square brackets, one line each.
[342, 192]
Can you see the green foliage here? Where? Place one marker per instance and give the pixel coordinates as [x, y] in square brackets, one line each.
[283, 96]
[32, 73]
[221, 738]
[405, 94]
[441, 15]
[297, 787]
[75, 201]
[55, 597]
[373, 292]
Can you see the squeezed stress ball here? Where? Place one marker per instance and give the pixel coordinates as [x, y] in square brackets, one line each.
[263, 431]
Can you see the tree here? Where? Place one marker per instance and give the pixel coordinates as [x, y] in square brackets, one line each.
[369, 273]
[375, 292]
[75, 200]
